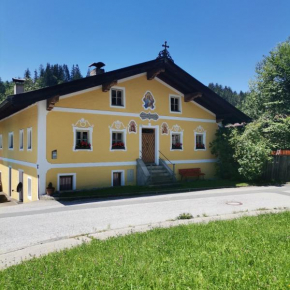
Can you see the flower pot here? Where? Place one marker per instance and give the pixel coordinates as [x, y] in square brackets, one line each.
[50, 191]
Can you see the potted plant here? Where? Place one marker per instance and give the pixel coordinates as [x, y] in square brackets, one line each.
[118, 145]
[50, 189]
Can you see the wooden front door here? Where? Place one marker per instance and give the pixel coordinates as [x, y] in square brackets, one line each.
[148, 145]
[66, 183]
[117, 178]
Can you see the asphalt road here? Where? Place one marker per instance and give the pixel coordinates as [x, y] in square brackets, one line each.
[30, 224]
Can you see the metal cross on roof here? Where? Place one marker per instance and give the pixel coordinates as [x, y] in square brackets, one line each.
[165, 53]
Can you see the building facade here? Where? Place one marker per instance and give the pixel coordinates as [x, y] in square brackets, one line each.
[91, 132]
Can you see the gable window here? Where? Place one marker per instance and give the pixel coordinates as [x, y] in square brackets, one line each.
[176, 141]
[29, 139]
[175, 104]
[118, 97]
[10, 140]
[1, 142]
[82, 140]
[21, 136]
[200, 141]
[118, 140]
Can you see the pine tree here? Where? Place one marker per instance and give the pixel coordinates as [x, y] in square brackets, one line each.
[27, 74]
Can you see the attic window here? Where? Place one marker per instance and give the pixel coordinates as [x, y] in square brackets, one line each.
[175, 104]
[118, 97]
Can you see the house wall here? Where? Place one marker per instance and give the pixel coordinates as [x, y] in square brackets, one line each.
[93, 168]
[17, 159]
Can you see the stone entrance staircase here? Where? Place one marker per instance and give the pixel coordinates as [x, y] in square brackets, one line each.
[155, 175]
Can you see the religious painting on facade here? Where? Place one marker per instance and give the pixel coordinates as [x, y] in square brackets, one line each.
[164, 129]
[132, 127]
[148, 101]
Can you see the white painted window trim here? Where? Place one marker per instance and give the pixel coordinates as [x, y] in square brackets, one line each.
[124, 131]
[123, 95]
[156, 127]
[181, 140]
[29, 178]
[74, 184]
[179, 104]
[1, 141]
[122, 176]
[29, 133]
[204, 141]
[21, 133]
[9, 138]
[90, 130]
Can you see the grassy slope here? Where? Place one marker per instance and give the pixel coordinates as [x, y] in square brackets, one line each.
[248, 253]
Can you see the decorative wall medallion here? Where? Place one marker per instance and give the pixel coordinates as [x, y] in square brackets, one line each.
[150, 116]
[164, 129]
[132, 127]
[82, 123]
[148, 101]
[118, 125]
[199, 129]
[176, 128]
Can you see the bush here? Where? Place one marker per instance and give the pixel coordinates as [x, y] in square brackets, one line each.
[185, 216]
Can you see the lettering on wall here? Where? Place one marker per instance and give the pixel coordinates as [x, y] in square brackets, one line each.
[149, 116]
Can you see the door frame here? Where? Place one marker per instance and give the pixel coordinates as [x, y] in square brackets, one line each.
[122, 176]
[74, 180]
[21, 173]
[156, 127]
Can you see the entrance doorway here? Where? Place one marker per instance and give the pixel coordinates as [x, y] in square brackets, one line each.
[20, 185]
[148, 145]
[65, 183]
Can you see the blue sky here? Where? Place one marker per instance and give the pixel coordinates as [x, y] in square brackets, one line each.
[213, 40]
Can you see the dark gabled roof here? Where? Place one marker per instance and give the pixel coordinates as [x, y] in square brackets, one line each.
[171, 74]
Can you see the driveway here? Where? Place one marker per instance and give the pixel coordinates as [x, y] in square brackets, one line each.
[42, 221]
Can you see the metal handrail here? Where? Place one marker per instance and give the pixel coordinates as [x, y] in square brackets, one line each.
[173, 165]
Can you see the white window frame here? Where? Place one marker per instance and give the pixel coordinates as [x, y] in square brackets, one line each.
[124, 131]
[74, 175]
[90, 138]
[29, 138]
[21, 138]
[29, 196]
[179, 104]
[204, 141]
[122, 177]
[181, 140]
[9, 139]
[1, 141]
[123, 97]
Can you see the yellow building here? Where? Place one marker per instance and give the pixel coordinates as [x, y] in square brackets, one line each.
[104, 130]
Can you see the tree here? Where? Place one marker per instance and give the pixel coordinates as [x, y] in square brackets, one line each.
[27, 74]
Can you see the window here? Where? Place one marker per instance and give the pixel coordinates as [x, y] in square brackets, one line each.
[1, 142]
[29, 139]
[176, 141]
[29, 187]
[82, 140]
[118, 97]
[118, 141]
[199, 141]
[10, 141]
[65, 183]
[21, 133]
[175, 104]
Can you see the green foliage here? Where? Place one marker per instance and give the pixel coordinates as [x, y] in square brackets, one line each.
[185, 216]
[270, 91]
[49, 76]
[247, 253]
[228, 94]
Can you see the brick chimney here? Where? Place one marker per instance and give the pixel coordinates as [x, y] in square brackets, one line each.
[98, 68]
[18, 86]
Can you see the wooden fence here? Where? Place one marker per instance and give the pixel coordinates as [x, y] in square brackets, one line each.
[278, 168]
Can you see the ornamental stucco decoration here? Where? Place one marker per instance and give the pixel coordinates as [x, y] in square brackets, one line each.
[176, 128]
[118, 125]
[148, 101]
[199, 129]
[132, 127]
[82, 123]
[149, 116]
[164, 128]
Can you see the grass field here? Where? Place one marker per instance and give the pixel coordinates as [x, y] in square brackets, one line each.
[248, 253]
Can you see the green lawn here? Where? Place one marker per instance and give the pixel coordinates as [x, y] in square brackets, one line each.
[248, 253]
[136, 190]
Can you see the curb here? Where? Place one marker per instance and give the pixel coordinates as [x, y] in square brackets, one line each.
[16, 257]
